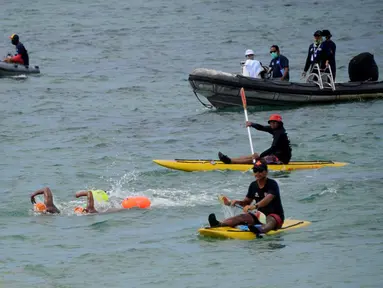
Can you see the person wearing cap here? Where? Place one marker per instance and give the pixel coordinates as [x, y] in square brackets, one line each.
[89, 207]
[21, 56]
[329, 49]
[252, 68]
[280, 150]
[265, 192]
[279, 64]
[314, 54]
[48, 206]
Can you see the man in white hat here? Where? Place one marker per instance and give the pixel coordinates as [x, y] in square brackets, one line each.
[252, 68]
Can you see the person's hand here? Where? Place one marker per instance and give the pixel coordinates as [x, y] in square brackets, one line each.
[304, 74]
[248, 207]
[233, 202]
[248, 124]
[33, 201]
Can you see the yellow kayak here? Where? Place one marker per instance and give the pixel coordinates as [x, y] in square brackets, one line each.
[208, 165]
[242, 234]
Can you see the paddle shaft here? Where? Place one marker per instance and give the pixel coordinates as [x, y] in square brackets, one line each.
[243, 97]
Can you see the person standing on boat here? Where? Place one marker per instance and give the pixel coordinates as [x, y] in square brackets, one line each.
[265, 192]
[279, 64]
[280, 150]
[21, 56]
[252, 68]
[314, 54]
[329, 49]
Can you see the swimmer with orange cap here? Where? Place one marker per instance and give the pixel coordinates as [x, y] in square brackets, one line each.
[48, 206]
[131, 202]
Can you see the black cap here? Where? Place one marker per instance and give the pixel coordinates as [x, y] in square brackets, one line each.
[326, 33]
[318, 33]
[260, 166]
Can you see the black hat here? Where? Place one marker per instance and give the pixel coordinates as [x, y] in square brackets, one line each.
[260, 166]
[326, 33]
[318, 33]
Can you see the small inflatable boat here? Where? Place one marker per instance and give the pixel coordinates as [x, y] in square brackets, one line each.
[222, 89]
[14, 69]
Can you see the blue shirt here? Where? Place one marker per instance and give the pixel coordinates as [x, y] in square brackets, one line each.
[278, 65]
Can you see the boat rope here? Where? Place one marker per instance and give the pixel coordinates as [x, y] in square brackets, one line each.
[206, 105]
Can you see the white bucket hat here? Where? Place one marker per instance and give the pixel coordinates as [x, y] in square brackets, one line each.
[249, 52]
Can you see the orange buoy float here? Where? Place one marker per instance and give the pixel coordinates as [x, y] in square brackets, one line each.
[136, 201]
[40, 207]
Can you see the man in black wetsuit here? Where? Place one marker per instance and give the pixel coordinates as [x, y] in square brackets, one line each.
[265, 192]
[280, 150]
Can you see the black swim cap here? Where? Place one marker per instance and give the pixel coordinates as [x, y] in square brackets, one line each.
[260, 166]
[318, 33]
[326, 33]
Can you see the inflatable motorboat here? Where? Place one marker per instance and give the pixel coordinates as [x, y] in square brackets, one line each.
[222, 89]
[14, 69]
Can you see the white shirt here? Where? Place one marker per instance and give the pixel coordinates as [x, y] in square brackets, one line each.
[252, 68]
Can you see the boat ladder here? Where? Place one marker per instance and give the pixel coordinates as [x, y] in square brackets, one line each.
[323, 79]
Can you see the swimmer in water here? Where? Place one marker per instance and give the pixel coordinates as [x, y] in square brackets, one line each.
[89, 209]
[48, 206]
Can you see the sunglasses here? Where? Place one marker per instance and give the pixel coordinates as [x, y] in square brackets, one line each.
[272, 51]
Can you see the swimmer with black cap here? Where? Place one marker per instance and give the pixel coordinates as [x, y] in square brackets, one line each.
[48, 206]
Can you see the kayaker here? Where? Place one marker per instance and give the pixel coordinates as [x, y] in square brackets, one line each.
[48, 206]
[314, 54]
[279, 64]
[252, 68]
[21, 56]
[329, 49]
[265, 192]
[280, 150]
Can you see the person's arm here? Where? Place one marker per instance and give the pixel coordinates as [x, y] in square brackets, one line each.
[90, 206]
[260, 127]
[308, 61]
[48, 198]
[285, 67]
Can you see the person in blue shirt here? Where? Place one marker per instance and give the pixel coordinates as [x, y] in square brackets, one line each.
[279, 64]
[329, 49]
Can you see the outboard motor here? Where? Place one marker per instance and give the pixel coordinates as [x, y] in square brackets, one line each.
[363, 68]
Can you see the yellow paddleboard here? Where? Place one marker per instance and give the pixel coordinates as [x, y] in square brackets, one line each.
[235, 233]
[208, 165]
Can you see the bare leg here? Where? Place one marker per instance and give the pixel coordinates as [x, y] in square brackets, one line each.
[242, 219]
[244, 159]
[271, 224]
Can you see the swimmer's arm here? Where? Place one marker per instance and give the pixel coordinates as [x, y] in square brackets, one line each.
[48, 199]
[89, 194]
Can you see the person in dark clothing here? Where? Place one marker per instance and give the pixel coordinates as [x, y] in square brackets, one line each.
[329, 49]
[314, 54]
[265, 192]
[280, 150]
[21, 56]
[279, 64]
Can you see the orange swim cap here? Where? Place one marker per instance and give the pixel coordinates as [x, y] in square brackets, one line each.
[136, 201]
[79, 210]
[40, 207]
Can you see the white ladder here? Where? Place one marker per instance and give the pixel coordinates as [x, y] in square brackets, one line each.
[324, 79]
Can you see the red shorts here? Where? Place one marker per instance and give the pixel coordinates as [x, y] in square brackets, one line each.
[278, 220]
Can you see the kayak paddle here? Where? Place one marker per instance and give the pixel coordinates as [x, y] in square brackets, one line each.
[243, 96]
[225, 201]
